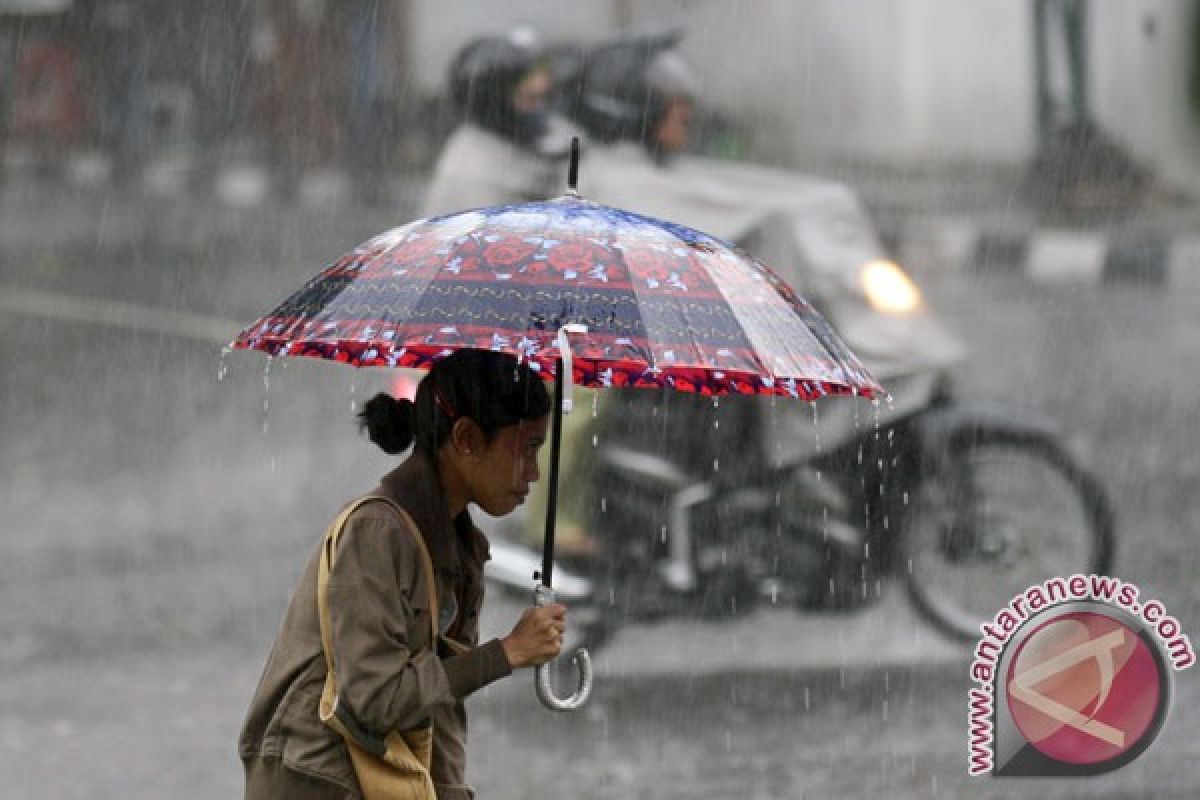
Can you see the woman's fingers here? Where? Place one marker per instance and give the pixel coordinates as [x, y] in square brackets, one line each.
[538, 634]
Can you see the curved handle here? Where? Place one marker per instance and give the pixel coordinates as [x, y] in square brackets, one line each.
[583, 688]
[544, 595]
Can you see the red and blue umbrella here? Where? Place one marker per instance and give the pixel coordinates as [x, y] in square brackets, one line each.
[646, 303]
[658, 304]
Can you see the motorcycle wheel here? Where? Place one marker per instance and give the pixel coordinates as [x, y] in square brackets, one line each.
[1000, 512]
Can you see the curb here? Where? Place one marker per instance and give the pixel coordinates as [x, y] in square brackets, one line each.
[1141, 253]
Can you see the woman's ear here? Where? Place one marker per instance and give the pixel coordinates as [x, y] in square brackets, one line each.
[467, 438]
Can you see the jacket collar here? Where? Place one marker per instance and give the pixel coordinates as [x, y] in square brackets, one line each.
[415, 486]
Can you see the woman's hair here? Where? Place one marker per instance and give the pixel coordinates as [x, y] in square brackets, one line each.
[491, 388]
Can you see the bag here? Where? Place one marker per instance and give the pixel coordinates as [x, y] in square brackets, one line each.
[395, 767]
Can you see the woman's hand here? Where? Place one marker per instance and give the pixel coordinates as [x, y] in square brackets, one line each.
[537, 637]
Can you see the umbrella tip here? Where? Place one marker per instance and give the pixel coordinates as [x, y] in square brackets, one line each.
[573, 169]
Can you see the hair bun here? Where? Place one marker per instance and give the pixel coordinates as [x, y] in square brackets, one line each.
[389, 422]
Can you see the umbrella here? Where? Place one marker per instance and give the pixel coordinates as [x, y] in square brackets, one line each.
[585, 294]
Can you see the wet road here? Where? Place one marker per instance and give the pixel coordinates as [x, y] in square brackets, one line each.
[156, 517]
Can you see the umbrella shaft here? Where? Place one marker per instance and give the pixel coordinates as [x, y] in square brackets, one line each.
[547, 575]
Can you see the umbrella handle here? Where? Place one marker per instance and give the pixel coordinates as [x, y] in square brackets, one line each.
[543, 595]
[564, 349]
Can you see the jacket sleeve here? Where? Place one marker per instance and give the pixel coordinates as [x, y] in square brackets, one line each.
[383, 684]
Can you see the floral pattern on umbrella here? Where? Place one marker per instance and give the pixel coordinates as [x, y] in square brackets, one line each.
[663, 305]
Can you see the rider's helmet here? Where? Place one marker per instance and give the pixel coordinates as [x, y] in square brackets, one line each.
[483, 78]
[626, 86]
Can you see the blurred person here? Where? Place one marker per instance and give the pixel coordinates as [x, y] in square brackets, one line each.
[507, 149]
[372, 119]
[638, 94]
[299, 104]
[46, 111]
[475, 433]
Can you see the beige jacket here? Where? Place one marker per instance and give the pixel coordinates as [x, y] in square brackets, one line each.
[389, 679]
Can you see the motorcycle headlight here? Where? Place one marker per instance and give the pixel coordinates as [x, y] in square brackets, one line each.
[888, 288]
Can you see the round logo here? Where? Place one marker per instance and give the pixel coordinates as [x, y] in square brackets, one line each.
[1085, 689]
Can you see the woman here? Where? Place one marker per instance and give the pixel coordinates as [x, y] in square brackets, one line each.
[477, 423]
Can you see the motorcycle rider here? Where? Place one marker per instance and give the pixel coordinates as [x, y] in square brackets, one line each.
[637, 95]
[508, 147]
[635, 98]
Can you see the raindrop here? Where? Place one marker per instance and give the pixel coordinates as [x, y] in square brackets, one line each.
[716, 402]
[595, 440]
[816, 428]
[266, 393]
[662, 534]
[716, 465]
[353, 399]
[222, 367]
[603, 505]
[885, 709]
[595, 404]
[807, 699]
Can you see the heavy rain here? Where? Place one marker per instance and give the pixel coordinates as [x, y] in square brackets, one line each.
[995, 206]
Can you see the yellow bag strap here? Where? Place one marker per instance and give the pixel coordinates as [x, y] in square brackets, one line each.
[329, 548]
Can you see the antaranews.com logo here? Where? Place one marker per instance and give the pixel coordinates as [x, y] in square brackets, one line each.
[1074, 678]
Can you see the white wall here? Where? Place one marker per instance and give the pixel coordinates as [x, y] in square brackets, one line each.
[926, 79]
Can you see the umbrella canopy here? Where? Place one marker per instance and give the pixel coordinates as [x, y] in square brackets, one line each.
[661, 305]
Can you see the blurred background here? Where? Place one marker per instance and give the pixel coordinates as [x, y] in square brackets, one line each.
[170, 171]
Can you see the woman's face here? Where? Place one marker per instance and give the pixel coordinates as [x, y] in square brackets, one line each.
[508, 466]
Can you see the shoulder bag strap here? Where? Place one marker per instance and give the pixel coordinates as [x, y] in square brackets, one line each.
[328, 550]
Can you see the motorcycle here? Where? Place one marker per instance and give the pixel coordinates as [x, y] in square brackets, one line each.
[967, 505]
